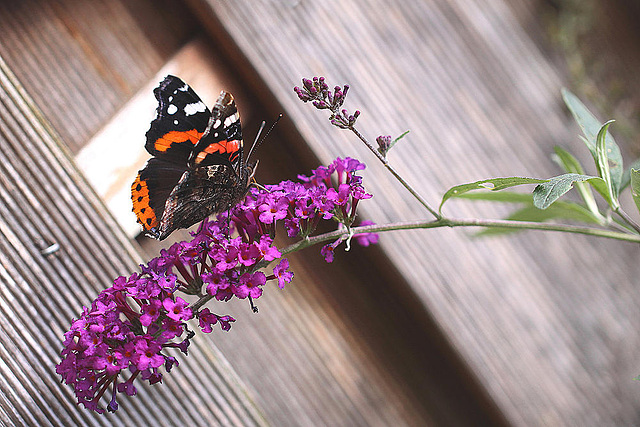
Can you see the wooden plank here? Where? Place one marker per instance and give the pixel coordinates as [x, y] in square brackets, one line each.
[44, 200]
[81, 61]
[544, 322]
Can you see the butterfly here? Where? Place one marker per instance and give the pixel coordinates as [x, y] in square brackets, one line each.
[197, 168]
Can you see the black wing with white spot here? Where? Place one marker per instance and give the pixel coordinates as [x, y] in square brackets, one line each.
[181, 120]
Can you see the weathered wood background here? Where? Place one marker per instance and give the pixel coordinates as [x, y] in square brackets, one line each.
[428, 328]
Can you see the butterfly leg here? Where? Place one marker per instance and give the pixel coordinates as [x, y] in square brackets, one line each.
[254, 307]
[229, 222]
[259, 186]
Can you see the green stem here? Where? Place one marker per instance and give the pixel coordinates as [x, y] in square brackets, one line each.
[446, 222]
[628, 219]
[406, 185]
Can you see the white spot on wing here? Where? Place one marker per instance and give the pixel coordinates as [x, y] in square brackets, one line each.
[196, 107]
[184, 88]
[231, 120]
[171, 109]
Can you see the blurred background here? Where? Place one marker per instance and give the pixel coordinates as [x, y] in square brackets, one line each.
[429, 327]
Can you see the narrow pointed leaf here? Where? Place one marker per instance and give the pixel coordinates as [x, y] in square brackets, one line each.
[602, 163]
[626, 176]
[493, 184]
[397, 139]
[590, 126]
[500, 196]
[635, 187]
[567, 161]
[401, 136]
[571, 165]
[559, 210]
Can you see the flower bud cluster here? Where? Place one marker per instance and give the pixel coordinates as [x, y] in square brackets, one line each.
[317, 91]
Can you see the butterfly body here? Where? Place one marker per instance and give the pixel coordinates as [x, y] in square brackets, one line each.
[197, 168]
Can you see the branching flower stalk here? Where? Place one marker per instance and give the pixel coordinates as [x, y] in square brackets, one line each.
[547, 191]
[317, 91]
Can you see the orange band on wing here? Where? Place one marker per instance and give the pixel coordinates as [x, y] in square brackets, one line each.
[219, 147]
[164, 143]
[142, 209]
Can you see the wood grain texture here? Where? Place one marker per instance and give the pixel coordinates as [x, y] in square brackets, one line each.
[547, 323]
[44, 200]
[82, 60]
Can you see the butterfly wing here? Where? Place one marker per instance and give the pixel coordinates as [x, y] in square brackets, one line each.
[200, 193]
[221, 142]
[216, 179]
[181, 120]
[150, 190]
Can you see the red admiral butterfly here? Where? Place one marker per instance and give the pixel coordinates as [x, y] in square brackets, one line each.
[197, 167]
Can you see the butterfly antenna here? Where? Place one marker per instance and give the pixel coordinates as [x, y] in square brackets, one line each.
[258, 140]
[255, 141]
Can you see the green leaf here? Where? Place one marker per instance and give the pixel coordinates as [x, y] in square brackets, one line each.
[626, 176]
[551, 190]
[590, 127]
[567, 161]
[401, 136]
[602, 163]
[493, 184]
[635, 187]
[502, 196]
[397, 139]
[559, 210]
[601, 187]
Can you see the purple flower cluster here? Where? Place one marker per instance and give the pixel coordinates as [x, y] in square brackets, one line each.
[130, 325]
[330, 193]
